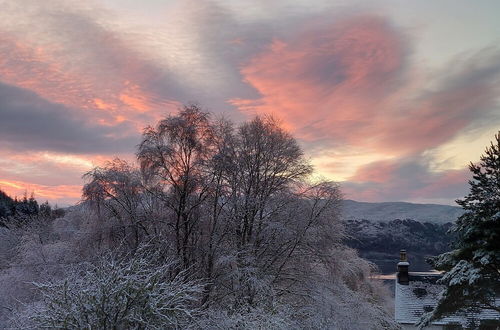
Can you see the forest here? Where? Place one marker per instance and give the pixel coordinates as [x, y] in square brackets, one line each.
[215, 225]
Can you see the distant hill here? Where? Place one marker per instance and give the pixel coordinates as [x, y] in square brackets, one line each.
[388, 211]
[380, 241]
[379, 230]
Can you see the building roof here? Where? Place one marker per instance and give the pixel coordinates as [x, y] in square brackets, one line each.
[420, 296]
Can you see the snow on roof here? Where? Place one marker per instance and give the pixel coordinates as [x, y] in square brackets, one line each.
[420, 296]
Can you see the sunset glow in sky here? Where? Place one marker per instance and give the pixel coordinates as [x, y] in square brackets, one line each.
[390, 98]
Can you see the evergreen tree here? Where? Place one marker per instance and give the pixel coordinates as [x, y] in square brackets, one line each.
[45, 209]
[6, 205]
[472, 269]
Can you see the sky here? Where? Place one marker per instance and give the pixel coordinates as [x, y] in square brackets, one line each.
[392, 99]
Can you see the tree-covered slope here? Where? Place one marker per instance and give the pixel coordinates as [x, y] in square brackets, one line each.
[380, 241]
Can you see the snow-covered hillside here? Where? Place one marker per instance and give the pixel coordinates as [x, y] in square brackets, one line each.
[380, 241]
[388, 211]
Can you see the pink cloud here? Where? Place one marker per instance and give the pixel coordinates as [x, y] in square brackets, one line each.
[351, 83]
[378, 172]
[328, 82]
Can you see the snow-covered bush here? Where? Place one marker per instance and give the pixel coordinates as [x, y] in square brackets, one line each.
[273, 318]
[138, 290]
[9, 240]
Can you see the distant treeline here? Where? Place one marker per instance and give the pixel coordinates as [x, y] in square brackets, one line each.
[15, 211]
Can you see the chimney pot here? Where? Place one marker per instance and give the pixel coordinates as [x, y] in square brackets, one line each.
[402, 255]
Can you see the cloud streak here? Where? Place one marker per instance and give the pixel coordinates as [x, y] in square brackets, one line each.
[406, 179]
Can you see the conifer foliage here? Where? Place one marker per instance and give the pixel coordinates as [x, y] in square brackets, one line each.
[472, 269]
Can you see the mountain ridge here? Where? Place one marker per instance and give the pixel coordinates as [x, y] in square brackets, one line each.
[388, 211]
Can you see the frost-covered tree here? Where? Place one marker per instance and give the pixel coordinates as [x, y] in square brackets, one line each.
[174, 154]
[117, 193]
[472, 269]
[235, 207]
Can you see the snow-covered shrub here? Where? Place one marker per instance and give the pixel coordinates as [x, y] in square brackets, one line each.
[9, 240]
[339, 293]
[278, 317]
[136, 290]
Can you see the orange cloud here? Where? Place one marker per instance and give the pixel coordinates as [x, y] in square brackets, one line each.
[62, 194]
[55, 177]
[105, 88]
[60, 74]
[102, 105]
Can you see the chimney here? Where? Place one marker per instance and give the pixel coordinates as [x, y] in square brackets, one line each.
[403, 265]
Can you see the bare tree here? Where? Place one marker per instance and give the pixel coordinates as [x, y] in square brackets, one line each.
[264, 163]
[266, 160]
[117, 188]
[175, 155]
